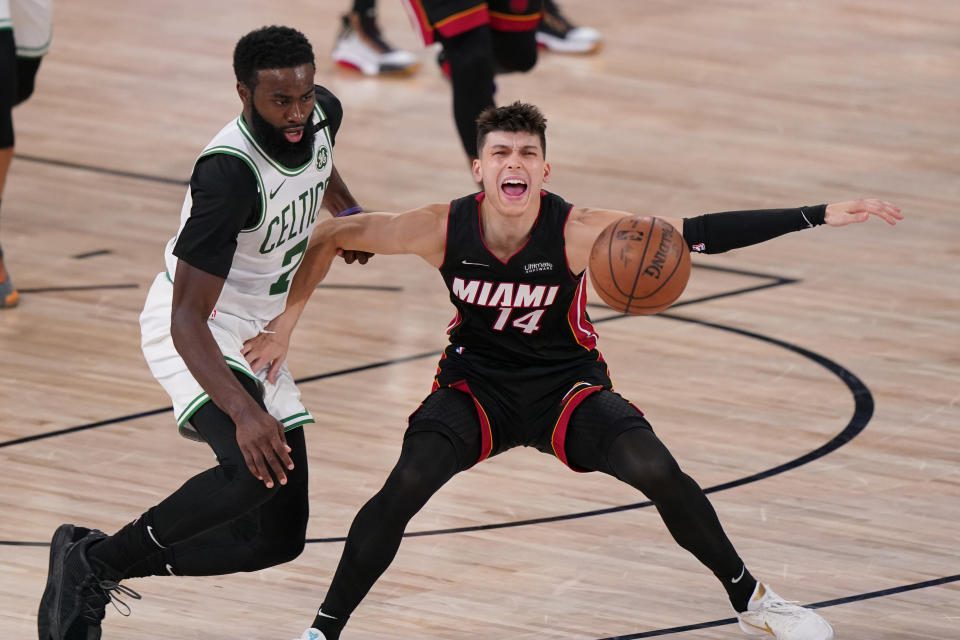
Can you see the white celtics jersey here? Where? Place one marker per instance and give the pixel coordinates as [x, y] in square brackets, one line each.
[269, 252]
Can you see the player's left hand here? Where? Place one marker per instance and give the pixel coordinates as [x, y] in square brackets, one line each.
[267, 349]
[350, 256]
[844, 213]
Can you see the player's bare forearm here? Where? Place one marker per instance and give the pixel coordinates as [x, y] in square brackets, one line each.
[312, 271]
[194, 295]
[337, 198]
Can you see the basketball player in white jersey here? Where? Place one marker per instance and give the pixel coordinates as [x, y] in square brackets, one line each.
[25, 33]
[254, 198]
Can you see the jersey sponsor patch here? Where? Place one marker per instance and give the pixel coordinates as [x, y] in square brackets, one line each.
[537, 267]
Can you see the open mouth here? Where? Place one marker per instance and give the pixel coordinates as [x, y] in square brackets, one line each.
[293, 134]
[513, 187]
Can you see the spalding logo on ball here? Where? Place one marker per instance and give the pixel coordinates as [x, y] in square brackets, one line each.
[639, 265]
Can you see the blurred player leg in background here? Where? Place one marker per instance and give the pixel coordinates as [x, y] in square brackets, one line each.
[25, 31]
[361, 46]
[556, 33]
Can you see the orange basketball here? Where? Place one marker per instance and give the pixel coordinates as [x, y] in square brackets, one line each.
[639, 265]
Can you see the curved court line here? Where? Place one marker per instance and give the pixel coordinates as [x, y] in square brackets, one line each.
[816, 605]
[862, 412]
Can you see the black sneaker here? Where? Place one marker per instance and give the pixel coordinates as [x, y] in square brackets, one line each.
[64, 536]
[77, 598]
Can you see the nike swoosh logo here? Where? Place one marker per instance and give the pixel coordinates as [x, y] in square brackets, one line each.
[153, 537]
[765, 627]
[740, 577]
[473, 264]
[275, 191]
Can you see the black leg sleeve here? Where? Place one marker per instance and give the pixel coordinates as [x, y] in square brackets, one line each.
[638, 458]
[471, 61]
[208, 500]
[26, 77]
[514, 50]
[8, 88]
[427, 461]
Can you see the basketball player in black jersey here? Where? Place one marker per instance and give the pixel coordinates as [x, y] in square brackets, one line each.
[522, 366]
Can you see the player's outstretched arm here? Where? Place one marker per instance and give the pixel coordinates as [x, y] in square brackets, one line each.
[719, 232]
[340, 202]
[420, 232]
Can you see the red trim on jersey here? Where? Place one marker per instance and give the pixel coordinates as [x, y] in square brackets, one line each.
[558, 439]
[418, 19]
[446, 235]
[436, 382]
[513, 22]
[565, 258]
[464, 21]
[583, 331]
[486, 433]
[457, 319]
[530, 235]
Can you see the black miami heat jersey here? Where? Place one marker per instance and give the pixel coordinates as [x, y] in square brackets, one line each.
[521, 344]
[528, 310]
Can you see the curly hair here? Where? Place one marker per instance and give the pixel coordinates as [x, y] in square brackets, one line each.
[270, 48]
[517, 117]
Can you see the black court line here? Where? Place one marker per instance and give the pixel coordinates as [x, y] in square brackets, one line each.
[364, 287]
[91, 254]
[863, 411]
[774, 281]
[817, 605]
[86, 287]
[153, 412]
[101, 170]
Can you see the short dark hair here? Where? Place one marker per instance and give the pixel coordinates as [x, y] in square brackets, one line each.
[270, 48]
[517, 117]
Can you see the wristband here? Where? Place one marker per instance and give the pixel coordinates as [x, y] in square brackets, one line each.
[349, 212]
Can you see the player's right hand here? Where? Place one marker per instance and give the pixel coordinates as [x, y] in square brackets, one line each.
[350, 256]
[264, 447]
[267, 349]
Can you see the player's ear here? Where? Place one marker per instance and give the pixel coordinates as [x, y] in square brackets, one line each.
[477, 173]
[244, 93]
[546, 172]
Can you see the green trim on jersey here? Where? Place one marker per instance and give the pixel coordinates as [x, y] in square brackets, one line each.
[204, 397]
[297, 420]
[5, 23]
[35, 52]
[238, 153]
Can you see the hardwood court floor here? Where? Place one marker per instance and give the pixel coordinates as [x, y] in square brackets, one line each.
[840, 342]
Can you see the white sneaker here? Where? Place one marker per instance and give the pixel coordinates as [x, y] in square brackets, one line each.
[311, 634]
[360, 46]
[556, 33]
[769, 613]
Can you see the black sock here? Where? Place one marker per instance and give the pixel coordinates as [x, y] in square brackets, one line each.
[131, 545]
[330, 626]
[740, 591]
